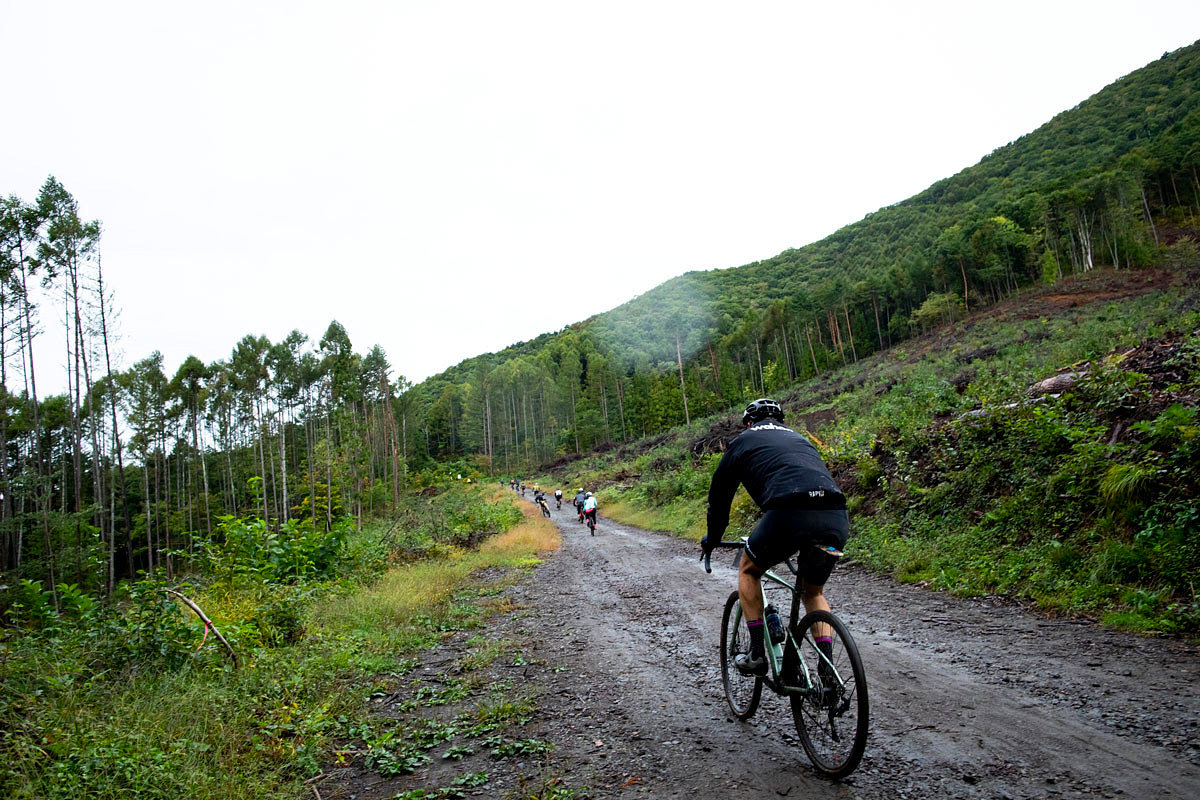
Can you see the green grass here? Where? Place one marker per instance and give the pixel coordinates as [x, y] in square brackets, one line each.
[73, 729]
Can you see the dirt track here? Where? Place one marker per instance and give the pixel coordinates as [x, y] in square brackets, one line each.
[969, 698]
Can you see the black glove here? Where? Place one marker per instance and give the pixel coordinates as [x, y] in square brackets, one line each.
[705, 546]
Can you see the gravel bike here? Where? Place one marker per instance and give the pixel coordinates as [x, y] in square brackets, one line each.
[828, 694]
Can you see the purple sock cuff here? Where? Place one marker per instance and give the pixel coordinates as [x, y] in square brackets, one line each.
[754, 623]
[824, 639]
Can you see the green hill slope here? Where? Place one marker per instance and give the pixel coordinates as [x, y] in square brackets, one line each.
[966, 472]
[1108, 183]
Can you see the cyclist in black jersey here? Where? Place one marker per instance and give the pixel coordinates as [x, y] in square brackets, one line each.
[803, 510]
[580, 496]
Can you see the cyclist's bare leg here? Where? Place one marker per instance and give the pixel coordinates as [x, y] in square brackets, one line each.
[750, 589]
[814, 600]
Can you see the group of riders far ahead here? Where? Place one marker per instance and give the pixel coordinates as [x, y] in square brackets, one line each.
[585, 502]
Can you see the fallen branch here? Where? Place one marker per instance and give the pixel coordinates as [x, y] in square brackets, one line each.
[208, 624]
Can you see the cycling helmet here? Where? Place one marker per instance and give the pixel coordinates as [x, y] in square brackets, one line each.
[761, 409]
[589, 494]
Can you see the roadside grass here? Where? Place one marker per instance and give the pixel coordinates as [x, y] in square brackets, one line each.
[312, 661]
[684, 517]
[460, 715]
[421, 596]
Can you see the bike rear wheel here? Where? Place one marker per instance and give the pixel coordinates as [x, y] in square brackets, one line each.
[833, 719]
[742, 692]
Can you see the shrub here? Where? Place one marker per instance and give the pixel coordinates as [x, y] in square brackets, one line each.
[251, 548]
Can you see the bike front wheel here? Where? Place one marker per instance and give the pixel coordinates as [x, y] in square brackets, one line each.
[742, 692]
[832, 717]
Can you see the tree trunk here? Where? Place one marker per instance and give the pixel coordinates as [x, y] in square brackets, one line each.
[283, 464]
[621, 408]
[850, 331]
[43, 491]
[312, 477]
[7, 556]
[787, 354]
[878, 330]
[149, 526]
[575, 416]
[1149, 216]
[687, 420]
[604, 408]
[716, 372]
[811, 352]
[762, 383]
[487, 412]
[328, 475]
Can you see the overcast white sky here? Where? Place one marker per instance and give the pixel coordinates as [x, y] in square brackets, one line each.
[447, 178]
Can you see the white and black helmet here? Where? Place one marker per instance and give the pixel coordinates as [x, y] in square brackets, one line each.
[761, 409]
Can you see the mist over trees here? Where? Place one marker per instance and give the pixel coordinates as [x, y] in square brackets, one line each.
[1108, 183]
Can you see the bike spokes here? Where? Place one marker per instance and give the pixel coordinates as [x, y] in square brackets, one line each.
[742, 692]
[831, 716]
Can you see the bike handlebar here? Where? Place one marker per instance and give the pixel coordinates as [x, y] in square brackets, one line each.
[707, 557]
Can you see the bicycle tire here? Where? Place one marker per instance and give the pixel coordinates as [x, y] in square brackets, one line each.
[591, 526]
[742, 692]
[823, 719]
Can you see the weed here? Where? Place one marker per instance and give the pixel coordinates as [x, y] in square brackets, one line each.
[501, 710]
[522, 747]
[458, 752]
[1125, 483]
[473, 780]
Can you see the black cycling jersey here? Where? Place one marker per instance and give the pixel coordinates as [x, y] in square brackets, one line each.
[779, 468]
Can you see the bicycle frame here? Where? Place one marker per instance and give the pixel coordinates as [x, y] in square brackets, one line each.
[819, 694]
[775, 652]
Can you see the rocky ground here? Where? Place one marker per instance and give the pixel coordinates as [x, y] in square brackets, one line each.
[614, 641]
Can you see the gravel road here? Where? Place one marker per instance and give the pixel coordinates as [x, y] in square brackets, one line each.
[969, 698]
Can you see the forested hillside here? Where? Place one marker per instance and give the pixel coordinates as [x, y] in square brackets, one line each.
[1106, 183]
[131, 468]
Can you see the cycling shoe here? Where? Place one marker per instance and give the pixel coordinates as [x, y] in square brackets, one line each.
[747, 664]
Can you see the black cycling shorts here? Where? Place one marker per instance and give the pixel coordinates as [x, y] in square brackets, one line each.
[784, 531]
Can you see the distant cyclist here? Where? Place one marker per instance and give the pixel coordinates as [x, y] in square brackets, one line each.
[803, 509]
[580, 496]
[558, 498]
[589, 509]
[541, 501]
